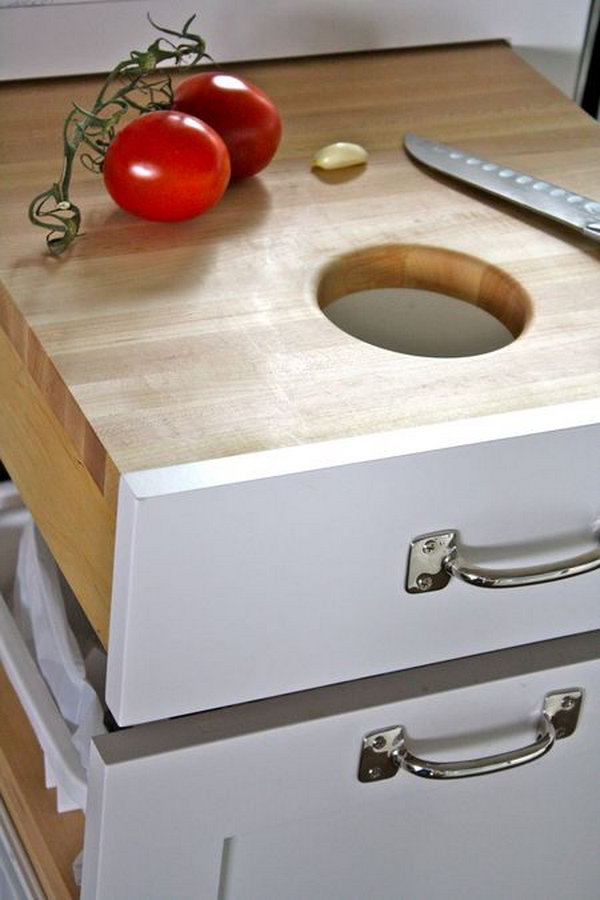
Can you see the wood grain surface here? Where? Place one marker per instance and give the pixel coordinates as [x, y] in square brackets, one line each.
[75, 516]
[156, 344]
[52, 839]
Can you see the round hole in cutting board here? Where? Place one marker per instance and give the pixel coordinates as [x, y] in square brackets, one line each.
[423, 301]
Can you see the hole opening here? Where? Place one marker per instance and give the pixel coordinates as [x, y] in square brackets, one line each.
[423, 301]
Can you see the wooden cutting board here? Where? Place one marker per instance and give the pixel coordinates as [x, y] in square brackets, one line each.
[150, 345]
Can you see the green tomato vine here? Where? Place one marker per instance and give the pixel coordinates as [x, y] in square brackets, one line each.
[135, 84]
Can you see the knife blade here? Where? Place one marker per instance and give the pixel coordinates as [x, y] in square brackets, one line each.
[527, 191]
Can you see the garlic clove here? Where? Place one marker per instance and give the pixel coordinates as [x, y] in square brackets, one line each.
[340, 155]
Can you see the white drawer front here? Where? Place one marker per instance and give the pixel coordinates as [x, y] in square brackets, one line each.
[263, 802]
[233, 592]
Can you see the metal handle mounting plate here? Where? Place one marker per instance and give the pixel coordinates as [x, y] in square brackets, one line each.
[435, 558]
[385, 751]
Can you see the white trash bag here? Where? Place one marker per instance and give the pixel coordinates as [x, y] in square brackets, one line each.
[40, 613]
[44, 616]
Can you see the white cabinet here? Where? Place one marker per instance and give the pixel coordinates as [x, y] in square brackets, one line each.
[287, 580]
[263, 801]
[271, 482]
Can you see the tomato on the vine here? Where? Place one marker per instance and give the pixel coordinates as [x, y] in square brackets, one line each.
[166, 166]
[244, 116]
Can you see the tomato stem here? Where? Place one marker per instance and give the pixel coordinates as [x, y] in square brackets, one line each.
[135, 84]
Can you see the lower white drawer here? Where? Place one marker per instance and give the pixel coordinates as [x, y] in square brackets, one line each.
[263, 801]
[253, 577]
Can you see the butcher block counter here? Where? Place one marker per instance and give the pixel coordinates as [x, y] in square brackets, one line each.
[149, 345]
[228, 480]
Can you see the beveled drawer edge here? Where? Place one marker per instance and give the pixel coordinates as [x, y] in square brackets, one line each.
[209, 473]
[211, 726]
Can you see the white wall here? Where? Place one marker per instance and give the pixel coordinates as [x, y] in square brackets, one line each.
[61, 38]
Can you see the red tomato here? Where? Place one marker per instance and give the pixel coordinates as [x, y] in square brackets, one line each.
[244, 116]
[166, 166]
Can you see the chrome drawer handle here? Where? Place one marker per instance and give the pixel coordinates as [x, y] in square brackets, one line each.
[385, 751]
[435, 558]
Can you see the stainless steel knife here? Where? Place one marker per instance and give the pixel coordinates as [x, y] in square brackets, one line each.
[551, 200]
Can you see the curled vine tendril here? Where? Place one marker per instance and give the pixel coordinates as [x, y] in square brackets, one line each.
[135, 84]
